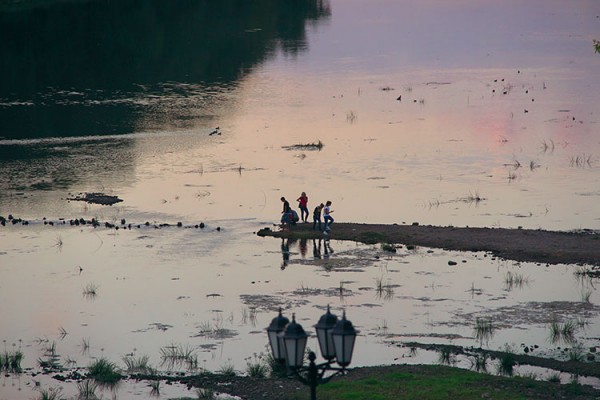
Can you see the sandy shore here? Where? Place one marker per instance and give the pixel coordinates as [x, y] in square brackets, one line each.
[549, 247]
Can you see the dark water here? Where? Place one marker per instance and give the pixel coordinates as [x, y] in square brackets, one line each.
[78, 68]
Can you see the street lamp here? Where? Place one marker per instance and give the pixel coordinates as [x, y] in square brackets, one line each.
[275, 340]
[336, 340]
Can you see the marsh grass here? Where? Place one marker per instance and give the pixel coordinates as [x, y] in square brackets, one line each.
[85, 346]
[484, 330]
[446, 357]
[137, 364]
[576, 353]
[581, 160]
[206, 394]
[515, 280]
[554, 377]
[178, 356]
[257, 366]
[104, 371]
[227, 369]
[155, 388]
[383, 290]
[586, 294]
[563, 333]
[86, 390]
[58, 243]
[479, 362]
[318, 146]
[249, 315]
[506, 364]
[351, 117]
[90, 290]
[10, 361]
[50, 394]
[547, 146]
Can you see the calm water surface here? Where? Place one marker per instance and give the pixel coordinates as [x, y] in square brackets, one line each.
[496, 125]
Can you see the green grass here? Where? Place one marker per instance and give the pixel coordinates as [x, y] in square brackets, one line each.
[432, 382]
[104, 371]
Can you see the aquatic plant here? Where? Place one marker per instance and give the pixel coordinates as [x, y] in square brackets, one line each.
[445, 357]
[547, 146]
[318, 145]
[515, 280]
[554, 377]
[173, 356]
[90, 290]
[596, 45]
[227, 369]
[155, 388]
[50, 394]
[205, 394]
[104, 371]
[85, 346]
[479, 362]
[86, 390]
[484, 330]
[576, 353]
[564, 332]
[581, 160]
[506, 363]
[383, 290]
[11, 361]
[257, 367]
[351, 116]
[137, 364]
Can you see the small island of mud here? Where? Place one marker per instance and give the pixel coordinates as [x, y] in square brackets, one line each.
[526, 245]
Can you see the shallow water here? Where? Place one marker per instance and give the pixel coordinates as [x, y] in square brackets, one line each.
[497, 126]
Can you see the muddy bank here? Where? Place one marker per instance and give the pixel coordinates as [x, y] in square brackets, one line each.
[526, 245]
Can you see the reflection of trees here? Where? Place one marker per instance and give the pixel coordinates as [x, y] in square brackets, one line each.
[90, 67]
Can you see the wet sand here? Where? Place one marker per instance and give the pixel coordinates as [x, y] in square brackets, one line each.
[527, 245]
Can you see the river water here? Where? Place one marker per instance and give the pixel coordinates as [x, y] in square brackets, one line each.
[437, 112]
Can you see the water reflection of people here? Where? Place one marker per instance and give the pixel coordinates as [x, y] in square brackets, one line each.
[316, 250]
[285, 252]
[303, 247]
[327, 249]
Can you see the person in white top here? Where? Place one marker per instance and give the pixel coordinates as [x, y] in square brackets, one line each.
[327, 218]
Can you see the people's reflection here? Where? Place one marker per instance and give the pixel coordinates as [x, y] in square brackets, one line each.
[327, 249]
[303, 247]
[285, 252]
[316, 250]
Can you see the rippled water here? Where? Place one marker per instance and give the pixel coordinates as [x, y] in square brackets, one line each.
[442, 113]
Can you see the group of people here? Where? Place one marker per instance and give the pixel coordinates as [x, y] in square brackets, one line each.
[290, 216]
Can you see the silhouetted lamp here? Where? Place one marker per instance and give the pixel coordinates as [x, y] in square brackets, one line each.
[324, 327]
[275, 340]
[336, 341]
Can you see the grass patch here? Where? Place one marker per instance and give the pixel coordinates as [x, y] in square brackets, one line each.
[431, 382]
[563, 333]
[177, 356]
[139, 364]
[10, 361]
[104, 371]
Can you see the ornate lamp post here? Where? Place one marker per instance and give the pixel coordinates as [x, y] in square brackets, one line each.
[336, 340]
